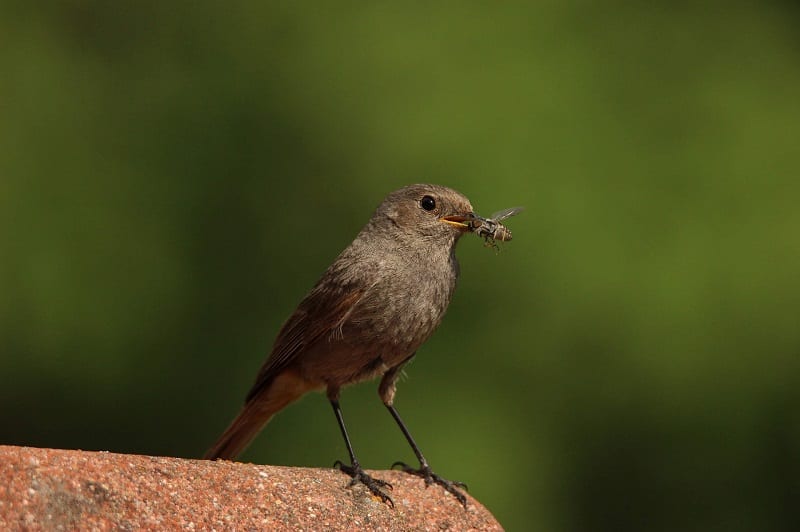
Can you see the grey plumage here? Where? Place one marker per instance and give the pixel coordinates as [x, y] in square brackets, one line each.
[381, 299]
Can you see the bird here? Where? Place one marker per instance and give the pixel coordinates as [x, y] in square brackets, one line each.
[365, 318]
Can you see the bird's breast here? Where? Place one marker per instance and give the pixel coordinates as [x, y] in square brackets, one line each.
[404, 307]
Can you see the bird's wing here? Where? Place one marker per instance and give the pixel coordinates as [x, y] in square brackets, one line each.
[319, 316]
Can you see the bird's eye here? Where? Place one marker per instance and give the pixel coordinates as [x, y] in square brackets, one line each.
[427, 203]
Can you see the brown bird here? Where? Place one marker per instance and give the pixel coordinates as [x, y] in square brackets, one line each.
[381, 299]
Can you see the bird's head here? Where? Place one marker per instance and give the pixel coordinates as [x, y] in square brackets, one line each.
[426, 212]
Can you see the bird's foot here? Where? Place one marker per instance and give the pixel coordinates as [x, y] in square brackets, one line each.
[374, 485]
[430, 477]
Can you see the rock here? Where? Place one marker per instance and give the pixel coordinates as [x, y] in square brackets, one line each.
[52, 489]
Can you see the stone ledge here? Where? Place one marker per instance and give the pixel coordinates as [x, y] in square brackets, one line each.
[52, 489]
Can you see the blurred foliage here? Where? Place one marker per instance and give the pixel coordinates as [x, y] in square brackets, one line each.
[175, 176]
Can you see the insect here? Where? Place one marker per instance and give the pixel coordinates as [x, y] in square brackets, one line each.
[491, 229]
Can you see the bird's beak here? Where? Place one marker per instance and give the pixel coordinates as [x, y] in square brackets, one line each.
[458, 220]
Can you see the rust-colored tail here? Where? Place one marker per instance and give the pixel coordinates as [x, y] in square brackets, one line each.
[257, 412]
[239, 434]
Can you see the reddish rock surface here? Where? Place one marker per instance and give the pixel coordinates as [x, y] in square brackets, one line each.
[51, 489]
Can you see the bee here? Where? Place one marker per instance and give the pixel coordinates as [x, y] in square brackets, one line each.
[491, 229]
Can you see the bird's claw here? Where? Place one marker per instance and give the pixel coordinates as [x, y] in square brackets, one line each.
[358, 475]
[452, 486]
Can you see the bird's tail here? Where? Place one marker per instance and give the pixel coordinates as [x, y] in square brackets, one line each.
[284, 389]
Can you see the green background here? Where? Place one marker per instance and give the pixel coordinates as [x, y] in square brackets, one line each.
[175, 176]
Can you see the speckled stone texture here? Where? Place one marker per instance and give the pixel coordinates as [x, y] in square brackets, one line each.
[51, 489]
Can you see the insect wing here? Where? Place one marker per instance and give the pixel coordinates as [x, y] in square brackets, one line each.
[506, 213]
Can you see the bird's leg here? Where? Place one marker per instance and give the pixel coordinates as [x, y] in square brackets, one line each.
[425, 470]
[354, 469]
[386, 390]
